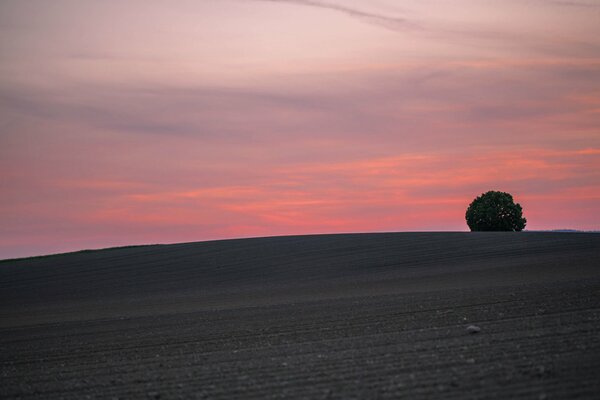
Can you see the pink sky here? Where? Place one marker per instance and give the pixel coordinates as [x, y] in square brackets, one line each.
[130, 122]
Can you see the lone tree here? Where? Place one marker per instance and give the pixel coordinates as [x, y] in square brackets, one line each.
[495, 211]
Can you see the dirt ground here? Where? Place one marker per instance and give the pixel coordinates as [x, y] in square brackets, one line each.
[329, 316]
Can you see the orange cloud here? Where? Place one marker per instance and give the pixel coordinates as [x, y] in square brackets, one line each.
[408, 191]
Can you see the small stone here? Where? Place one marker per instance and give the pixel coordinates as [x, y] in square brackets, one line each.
[473, 329]
[541, 369]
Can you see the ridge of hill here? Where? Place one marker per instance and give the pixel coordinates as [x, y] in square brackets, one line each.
[272, 270]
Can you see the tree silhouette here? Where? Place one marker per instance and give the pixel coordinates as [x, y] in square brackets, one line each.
[495, 211]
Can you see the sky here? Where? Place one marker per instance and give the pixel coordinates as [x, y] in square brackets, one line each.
[135, 122]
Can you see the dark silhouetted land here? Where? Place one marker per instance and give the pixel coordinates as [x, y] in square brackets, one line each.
[326, 316]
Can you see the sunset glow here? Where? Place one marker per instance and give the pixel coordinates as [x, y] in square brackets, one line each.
[130, 122]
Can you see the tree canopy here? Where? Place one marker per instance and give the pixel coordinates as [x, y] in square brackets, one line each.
[495, 211]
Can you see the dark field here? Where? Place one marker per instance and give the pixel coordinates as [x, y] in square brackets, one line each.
[332, 316]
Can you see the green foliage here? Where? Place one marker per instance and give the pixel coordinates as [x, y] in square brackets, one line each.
[495, 211]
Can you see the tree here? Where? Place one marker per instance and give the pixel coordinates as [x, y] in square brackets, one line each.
[495, 211]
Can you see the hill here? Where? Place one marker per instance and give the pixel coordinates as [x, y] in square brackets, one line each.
[363, 315]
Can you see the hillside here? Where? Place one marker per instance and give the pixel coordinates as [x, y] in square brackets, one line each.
[365, 315]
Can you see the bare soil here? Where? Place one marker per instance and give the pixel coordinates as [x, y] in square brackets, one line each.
[326, 316]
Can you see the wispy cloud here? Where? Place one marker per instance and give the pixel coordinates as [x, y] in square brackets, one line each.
[584, 4]
[465, 34]
[387, 21]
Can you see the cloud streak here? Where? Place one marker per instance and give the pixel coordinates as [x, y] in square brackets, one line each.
[400, 24]
[467, 33]
[583, 4]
